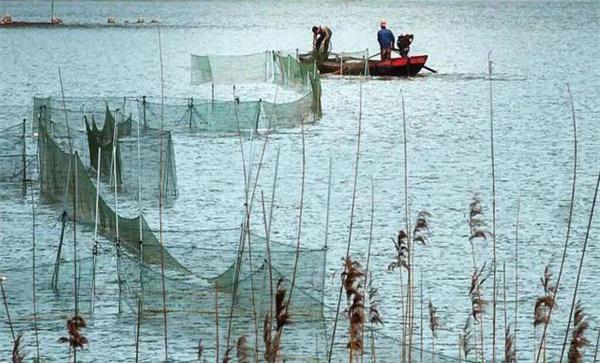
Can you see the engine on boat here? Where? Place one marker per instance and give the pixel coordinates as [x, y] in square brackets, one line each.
[404, 42]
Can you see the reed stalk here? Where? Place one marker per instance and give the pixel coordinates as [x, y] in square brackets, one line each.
[493, 213]
[5, 301]
[217, 325]
[434, 325]
[160, 197]
[138, 329]
[408, 318]
[339, 302]
[516, 280]
[581, 259]
[596, 348]
[33, 260]
[367, 272]
[571, 208]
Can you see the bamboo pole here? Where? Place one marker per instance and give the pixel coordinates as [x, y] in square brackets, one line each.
[33, 258]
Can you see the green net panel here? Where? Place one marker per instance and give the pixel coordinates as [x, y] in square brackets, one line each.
[230, 69]
[284, 70]
[64, 179]
[254, 276]
[54, 109]
[202, 115]
[142, 165]
[13, 158]
[301, 77]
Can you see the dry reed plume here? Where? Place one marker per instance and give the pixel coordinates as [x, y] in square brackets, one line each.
[282, 318]
[401, 246]
[578, 340]
[477, 302]
[353, 280]
[434, 325]
[421, 231]
[242, 350]
[543, 305]
[200, 350]
[374, 301]
[17, 353]
[510, 355]
[476, 221]
[465, 339]
[75, 339]
[374, 315]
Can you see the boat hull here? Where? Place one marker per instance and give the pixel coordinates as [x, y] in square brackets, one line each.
[395, 67]
[32, 24]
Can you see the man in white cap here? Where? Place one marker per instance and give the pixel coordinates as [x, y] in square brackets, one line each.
[385, 37]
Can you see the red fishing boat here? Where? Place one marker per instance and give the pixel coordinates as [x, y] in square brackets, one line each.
[395, 67]
[349, 64]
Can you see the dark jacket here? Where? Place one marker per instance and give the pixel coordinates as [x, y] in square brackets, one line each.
[386, 39]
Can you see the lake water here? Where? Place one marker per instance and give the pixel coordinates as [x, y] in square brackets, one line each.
[537, 48]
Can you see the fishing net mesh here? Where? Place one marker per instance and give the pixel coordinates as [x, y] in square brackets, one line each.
[13, 156]
[64, 179]
[230, 69]
[284, 70]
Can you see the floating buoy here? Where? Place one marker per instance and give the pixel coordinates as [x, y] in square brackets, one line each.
[154, 21]
[112, 20]
[140, 20]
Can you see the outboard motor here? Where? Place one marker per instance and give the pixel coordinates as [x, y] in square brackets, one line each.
[404, 42]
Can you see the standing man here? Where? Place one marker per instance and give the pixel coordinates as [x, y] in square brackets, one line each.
[321, 41]
[385, 37]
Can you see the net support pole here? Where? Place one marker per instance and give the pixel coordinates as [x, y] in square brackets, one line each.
[191, 108]
[212, 100]
[258, 115]
[63, 218]
[144, 112]
[266, 64]
[95, 248]
[117, 238]
[141, 292]
[75, 205]
[325, 244]
[297, 54]
[24, 160]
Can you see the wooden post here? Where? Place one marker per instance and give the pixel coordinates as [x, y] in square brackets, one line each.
[24, 159]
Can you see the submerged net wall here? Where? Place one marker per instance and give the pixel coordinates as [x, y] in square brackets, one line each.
[64, 179]
[137, 150]
[199, 300]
